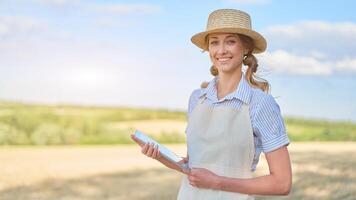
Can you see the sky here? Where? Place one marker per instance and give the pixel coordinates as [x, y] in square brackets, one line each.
[139, 54]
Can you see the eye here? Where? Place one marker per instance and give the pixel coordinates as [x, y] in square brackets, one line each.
[213, 42]
[231, 41]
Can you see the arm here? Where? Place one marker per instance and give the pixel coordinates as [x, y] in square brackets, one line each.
[169, 164]
[278, 182]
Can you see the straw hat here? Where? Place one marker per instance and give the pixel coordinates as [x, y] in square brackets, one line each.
[230, 21]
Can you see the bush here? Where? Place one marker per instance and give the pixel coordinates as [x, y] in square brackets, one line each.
[47, 134]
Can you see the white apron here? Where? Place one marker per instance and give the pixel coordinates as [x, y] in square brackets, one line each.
[219, 139]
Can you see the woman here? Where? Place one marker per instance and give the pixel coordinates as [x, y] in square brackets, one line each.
[232, 119]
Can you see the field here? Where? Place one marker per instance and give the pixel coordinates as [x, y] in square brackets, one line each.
[320, 171]
[64, 152]
[31, 124]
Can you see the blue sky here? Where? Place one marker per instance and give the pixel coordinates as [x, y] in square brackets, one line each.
[138, 53]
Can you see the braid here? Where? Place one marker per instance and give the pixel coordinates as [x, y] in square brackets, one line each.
[251, 61]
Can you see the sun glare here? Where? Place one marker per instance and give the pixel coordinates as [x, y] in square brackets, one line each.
[88, 78]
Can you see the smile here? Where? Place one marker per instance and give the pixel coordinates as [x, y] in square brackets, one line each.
[223, 59]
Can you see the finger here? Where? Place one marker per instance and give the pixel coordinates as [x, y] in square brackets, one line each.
[192, 178]
[150, 150]
[155, 152]
[144, 148]
[159, 155]
[133, 137]
[194, 171]
[193, 184]
[186, 171]
[184, 160]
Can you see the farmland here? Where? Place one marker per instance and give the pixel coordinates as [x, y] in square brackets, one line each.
[320, 170]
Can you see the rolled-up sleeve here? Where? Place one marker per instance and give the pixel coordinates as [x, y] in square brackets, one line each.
[269, 125]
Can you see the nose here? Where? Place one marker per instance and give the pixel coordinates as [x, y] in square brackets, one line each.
[221, 48]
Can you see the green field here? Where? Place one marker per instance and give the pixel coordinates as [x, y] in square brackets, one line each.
[29, 124]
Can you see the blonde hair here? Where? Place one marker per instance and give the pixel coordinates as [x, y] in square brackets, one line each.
[249, 60]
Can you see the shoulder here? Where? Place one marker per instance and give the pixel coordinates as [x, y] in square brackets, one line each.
[193, 99]
[265, 112]
[261, 101]
[196, 93]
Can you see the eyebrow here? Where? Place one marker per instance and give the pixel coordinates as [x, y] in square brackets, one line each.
[214, 37]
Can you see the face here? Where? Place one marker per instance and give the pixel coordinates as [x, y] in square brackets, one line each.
[226, 52]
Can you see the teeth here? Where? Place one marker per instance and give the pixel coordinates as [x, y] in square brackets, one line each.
[224, 59]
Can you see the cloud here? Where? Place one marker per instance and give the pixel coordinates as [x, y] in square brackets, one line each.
[284, 62]
[281, 61]
[311, 48]
[10, 25]
[348, 65]
[113, 8]
[58, 2]
[334, 40]
[125, 8]
[312, 28]
[250, 1]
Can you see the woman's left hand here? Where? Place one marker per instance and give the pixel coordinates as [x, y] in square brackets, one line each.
[203, 178]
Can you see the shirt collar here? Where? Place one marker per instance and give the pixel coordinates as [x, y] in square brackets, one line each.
[243, 91]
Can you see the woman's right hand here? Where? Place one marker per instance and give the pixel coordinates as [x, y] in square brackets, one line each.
[150, 150]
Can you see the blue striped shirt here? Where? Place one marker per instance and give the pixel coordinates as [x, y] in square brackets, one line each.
[266, 119]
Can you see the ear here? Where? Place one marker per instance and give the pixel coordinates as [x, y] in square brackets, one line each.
[245, 52]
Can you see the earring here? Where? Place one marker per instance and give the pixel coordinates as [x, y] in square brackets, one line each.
[245, 56]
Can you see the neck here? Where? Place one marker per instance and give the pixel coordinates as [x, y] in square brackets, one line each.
[228, 82]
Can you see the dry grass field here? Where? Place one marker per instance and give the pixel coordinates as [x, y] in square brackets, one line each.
[320, 171]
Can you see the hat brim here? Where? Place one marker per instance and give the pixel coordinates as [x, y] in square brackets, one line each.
[260, 43]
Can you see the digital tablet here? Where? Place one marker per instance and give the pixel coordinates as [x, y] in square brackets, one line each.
[164, 151]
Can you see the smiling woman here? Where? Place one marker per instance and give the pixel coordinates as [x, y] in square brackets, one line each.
[232, 119]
